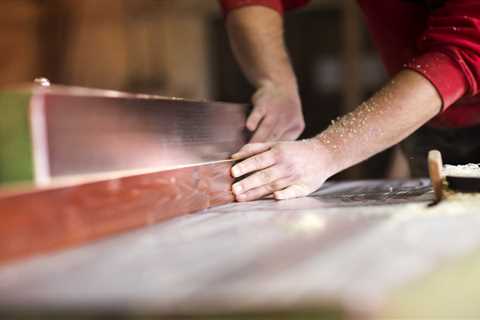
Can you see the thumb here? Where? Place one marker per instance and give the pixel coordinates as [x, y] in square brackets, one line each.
[294, 191]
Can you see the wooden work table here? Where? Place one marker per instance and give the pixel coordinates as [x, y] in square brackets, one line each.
[357, 249]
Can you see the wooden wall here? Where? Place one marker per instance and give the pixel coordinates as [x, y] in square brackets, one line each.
[141, 45]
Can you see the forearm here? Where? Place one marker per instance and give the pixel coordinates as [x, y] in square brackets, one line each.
[256, 37]
[395, 112]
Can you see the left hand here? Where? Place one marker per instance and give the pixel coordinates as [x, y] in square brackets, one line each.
[277, 113]
[284, 169]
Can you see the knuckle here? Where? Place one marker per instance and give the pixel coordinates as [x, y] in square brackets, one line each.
[281, 154]
[241, 185]
[269, 189]
[276, 185]
[248, 148]
[276, 153]
[295, 176]
[269, 159]
[266, 189]
[265, 176]
[240, 168]
[257, 161]
[269, 121]
[294, 172]
[286, 168]
[257, 145]
[253, 194]
[298, 126]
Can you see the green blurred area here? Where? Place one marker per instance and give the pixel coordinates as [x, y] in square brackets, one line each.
[16, 164]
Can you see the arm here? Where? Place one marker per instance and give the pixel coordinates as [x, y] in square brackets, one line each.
[256, 36]
[447, 69]
[293, 169]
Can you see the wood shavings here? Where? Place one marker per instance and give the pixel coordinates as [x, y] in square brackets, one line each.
[468, 170]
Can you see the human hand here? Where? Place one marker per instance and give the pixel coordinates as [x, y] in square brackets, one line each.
[277, 113]
[284, 169]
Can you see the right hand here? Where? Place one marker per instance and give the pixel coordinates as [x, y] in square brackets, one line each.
[285, 169]
[276, 115]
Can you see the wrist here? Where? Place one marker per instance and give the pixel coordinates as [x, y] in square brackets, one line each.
[325, 156]
[287, 84]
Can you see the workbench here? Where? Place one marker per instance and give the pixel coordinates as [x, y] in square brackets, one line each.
[374, 249]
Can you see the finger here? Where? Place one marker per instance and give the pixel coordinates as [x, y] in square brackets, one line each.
[293, 191]
[255, 163]
[264, 131]
[254, 118]
[264, 190]
[251, 149]
[258, 179]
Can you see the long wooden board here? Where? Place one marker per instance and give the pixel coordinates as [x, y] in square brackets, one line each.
[83, 131]
[108, 161]
[39, 221]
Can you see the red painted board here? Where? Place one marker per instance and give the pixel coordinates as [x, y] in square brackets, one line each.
[41, 221]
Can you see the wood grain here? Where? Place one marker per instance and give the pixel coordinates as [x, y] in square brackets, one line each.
[84, 131]
[340, 249]
[40, 221]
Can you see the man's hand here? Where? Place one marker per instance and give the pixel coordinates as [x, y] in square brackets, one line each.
[294, 169]
[286, 169]
[256, 37]
[277, 114]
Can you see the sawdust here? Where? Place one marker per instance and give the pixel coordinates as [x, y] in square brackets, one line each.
[467, 170]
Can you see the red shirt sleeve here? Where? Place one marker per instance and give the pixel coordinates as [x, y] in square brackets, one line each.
[278, 5]
[450, 50]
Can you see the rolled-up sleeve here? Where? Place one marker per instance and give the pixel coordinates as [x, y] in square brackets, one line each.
[450, 50]
[278, 5]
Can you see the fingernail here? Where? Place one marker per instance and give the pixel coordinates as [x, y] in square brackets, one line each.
[279, 195]
[237, 188]
[236, 172]
[241, 197]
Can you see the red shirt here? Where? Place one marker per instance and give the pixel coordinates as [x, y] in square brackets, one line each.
[442, 44]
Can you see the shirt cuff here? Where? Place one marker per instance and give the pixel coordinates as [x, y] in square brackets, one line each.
[443, 73]
[229, 5]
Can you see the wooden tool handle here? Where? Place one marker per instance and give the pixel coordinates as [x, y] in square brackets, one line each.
[435, 166]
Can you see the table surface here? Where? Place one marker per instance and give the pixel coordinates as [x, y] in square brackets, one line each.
[348, 248]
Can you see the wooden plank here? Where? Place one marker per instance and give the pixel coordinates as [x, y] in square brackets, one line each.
[84, 131]
[108, 161]
[39, 221]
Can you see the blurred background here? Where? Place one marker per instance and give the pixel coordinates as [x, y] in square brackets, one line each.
[179, 48]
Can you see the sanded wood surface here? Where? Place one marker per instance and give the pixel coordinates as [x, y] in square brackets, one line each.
[346, 248]
[345, 251]
[38, 221]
